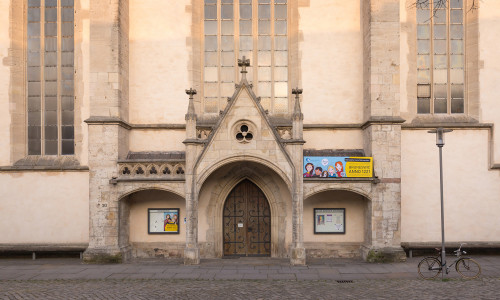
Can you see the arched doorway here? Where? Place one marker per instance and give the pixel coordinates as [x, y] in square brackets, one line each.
[246, 222]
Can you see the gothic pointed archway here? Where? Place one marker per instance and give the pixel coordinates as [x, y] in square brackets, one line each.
[246, 222]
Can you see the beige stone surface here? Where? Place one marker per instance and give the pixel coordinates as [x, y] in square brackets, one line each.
[471, 192]
[157, 140]
[44, 207]
[4, 84]
[490, 72]
[159, 61]
[331, 49]
[355, 206]
[140, 202]
[333, 139]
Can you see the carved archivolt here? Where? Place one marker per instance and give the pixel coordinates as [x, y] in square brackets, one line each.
[160, 170]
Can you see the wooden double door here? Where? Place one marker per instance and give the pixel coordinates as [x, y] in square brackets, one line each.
[247, 222]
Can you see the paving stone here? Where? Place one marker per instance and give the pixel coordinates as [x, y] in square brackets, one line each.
[187, 276]
[486, 288]
[255, 276]
[282, 276]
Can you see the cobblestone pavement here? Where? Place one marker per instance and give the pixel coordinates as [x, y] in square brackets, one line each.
[486, 288]
[246, 278]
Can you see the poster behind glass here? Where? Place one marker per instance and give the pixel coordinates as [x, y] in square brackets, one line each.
[329, 220]
[163, 220]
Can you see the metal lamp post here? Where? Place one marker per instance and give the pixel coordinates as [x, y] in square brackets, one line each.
[440, 143]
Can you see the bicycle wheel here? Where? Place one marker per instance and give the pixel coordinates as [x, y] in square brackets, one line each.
[468, 268]
[429, 267]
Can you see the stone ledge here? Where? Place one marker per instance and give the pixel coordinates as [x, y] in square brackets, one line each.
[102, 256]
[383, 254]
[42, 247]
[332, 250]
[46, 162]
[97, 120]
[116, 180]
[360, 179]
[332, 126]
[382, 120]
[432, 245]
[457, 125]
[43, 169]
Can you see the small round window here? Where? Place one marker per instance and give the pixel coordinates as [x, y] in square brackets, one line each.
[244, 134]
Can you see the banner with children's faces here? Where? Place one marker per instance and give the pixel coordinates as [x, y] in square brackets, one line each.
[337, 167]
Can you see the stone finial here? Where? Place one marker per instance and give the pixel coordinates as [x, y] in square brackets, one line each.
[191, 114]
[244, 63]
[297, 112]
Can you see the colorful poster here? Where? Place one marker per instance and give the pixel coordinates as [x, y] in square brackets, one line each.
[163, 220]
[337, 167]
[329, 220]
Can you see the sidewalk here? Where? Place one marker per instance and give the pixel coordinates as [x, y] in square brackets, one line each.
[250, 268]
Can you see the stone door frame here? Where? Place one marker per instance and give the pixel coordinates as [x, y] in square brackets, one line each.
[277, 206]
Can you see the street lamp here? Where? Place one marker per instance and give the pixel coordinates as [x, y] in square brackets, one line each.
[440, 143]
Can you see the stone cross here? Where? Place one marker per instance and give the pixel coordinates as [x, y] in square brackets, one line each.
[296, 92]
[244, 63]
[191, 93]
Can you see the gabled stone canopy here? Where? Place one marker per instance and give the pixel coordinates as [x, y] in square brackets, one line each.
[263, 147]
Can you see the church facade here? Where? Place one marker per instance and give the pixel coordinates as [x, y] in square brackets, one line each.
[214, 128]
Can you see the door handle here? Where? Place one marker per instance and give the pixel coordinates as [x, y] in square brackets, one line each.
[249, 229]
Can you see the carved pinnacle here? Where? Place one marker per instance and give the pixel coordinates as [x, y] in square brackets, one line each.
[297, 112]
[191, 115]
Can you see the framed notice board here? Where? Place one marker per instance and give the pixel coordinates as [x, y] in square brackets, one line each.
[163, 220]
[329, 220]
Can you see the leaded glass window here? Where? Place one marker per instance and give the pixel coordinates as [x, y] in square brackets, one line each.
[440, 57]
[50, 75]
[256, 29]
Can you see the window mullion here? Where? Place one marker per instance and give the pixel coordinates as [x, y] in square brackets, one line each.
[219, 53]
[255, 51]
[42, 77]
[272, 56]
[431, 53]
[59, 76]
[236, 38]
[448, 60]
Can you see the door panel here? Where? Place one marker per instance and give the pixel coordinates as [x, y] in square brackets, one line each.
[247, 222]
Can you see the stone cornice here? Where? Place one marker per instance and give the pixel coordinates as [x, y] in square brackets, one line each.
[116, 180]
[44, 168]
[124, 161]
[194, 142]
[326, 180]
[293, 142]
[331, 126]
[96, 120]
[383, 120]
[117, 121]
[458, 125]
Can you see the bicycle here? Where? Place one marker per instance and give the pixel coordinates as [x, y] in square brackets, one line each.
[430, 267]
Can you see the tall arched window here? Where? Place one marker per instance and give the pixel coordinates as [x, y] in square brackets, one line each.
[440, 60]
[256, 29]
[50, 74]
